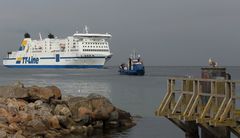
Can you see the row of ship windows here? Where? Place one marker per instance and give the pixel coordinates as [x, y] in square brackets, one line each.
[94, 43]
[96, 46]
[82, 43]
[78, 40]
[75, 47]
[95, 50]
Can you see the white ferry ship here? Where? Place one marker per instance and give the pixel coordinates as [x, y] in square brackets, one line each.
[82, 50]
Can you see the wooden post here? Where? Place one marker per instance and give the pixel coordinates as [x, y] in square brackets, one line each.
[214, 73]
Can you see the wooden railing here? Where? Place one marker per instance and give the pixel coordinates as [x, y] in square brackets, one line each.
[212, 102]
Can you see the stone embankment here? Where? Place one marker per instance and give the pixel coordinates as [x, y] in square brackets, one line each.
[43, 112]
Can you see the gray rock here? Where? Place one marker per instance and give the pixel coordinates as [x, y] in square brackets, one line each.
[12, 106]
[12, 109]
[62, 109]
[52, 134]
[44, 111]
[75, 103]
[38, 137]
[90, 130]
[3, 134]
[31, 106]
[36, 125]
[57, 101]
[77, 130]
[67, 97]
[85, 130]
[38, 102]
[98, 124]
[40, 93]
[112, 124]
[3, 106]
[83, 120]
[13, 92]
[3, 120]
[18, 84]
[98, 96]
[102, 108]
[113, 116]
[101, 114]
[74, 100]
[123, 114]
[126, 123]
[94, 95]
[18, 135]
[66, 122]
[56, 92]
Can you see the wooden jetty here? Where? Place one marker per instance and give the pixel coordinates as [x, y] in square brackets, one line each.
[209, 105]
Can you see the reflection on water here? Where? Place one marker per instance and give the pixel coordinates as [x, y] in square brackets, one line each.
[85, 88]
[75, 88]
[104, 133]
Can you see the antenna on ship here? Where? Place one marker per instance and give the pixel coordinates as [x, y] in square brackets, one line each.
[40, 36]
[134, 53]
[86, 29]
[76, 30]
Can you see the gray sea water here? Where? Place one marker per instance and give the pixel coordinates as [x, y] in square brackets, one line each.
[139, 95]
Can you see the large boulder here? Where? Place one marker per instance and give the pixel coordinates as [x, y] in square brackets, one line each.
[94, 107]
[33, 93]
[44, 93]
[56, 92]
[79, 107]
[13, 92]
[40, 93]
[102, 108]
[125, 119]
[98, 108]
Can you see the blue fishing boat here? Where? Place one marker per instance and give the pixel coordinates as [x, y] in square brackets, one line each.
[134, 67]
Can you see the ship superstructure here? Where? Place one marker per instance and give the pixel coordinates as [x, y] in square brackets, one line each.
[81, 50]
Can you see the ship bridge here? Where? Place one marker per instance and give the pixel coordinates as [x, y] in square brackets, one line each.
[92, 35]
[89, 35]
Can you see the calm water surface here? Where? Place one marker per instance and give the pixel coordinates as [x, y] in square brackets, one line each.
[139, 95]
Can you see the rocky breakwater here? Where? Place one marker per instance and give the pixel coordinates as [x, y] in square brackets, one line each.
[42, 112]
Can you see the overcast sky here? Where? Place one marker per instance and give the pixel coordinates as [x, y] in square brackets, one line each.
[165, 32]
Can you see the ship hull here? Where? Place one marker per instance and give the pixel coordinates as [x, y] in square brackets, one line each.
[132, 72]
[54, 66]
[63, 62]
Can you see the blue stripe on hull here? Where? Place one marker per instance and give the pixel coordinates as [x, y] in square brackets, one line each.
[54, 66]
[60, 58]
